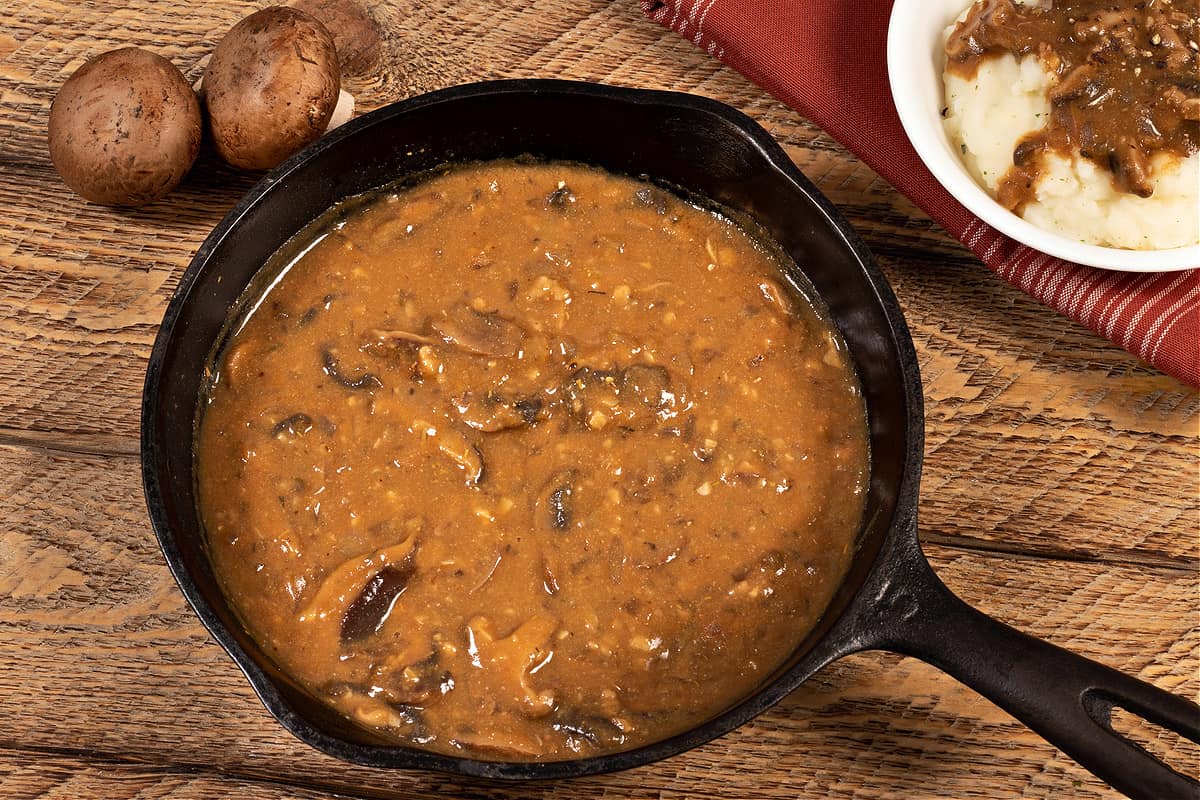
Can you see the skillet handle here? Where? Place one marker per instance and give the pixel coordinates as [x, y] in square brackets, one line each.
[1064, 697]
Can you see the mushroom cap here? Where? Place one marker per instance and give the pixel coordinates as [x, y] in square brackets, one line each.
[270, 87]
[125, 128]
[356, 35]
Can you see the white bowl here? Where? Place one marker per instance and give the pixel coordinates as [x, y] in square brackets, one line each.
[915, 59]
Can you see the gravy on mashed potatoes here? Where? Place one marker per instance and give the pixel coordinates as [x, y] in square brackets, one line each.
[1083, 116]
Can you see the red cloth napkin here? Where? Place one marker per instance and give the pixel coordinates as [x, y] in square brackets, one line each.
[827, 60]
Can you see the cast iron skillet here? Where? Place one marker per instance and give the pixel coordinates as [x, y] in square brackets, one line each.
[890, 600]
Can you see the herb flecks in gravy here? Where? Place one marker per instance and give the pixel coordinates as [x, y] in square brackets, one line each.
[531, 462]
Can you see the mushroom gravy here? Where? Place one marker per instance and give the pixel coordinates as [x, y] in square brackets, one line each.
[528, 461]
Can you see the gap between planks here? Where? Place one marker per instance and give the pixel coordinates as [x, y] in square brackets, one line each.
[66, 442]
[1152, 560]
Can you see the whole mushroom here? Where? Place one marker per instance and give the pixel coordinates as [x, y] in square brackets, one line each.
[356, 35]
[125, 128]
[270, 87]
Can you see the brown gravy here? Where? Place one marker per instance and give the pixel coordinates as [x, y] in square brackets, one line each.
[530, 461]
[1128, 82]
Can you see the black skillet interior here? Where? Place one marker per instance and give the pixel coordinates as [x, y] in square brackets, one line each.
[685, 141]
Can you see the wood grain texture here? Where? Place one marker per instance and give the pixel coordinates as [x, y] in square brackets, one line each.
[1060, 492]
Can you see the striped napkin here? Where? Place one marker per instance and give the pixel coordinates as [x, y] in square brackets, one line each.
[827, 60]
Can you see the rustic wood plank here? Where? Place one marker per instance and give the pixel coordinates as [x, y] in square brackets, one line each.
[1020, 459]
[100, 657]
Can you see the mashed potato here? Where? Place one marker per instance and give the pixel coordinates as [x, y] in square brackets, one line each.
[986, 117]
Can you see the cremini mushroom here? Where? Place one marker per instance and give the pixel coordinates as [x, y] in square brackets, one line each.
[356, 34]
[271, 87]
[125, 128]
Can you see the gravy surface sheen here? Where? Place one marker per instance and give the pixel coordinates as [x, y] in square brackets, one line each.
[530, 462]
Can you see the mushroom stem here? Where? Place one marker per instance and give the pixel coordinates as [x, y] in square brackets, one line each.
[343, 112]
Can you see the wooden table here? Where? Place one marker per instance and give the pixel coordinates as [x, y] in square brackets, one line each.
[1060, 491]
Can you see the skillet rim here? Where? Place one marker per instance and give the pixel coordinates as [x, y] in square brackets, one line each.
[842, 634]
